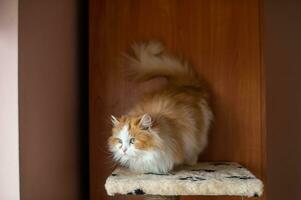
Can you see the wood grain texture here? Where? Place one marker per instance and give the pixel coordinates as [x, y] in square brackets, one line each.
[221, 39]
[161, 198]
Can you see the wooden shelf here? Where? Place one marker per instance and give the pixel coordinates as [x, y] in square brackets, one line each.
[221, 40]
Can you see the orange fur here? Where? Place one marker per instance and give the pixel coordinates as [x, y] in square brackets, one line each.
[179, 113]
[143, 140]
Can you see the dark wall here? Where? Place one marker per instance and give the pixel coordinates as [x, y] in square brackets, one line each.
[52, 99]
[283, 68]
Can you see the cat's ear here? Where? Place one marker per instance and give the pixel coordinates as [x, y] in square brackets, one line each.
[146, 121]
[114, 120]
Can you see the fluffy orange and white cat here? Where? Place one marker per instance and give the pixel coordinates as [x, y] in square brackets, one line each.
[167, 127]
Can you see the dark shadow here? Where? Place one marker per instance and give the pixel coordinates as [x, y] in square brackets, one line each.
[83, 66]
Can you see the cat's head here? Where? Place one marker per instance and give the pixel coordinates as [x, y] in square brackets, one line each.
[132, 136]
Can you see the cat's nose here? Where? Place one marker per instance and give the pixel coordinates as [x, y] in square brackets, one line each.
[124, 149]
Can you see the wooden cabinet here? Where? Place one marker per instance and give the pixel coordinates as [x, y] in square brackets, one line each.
[221, 39]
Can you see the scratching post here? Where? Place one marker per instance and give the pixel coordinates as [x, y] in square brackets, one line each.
[210, 178]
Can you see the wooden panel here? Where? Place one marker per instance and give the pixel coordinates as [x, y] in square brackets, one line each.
[52, 126]
[220, 38]
[282, 60]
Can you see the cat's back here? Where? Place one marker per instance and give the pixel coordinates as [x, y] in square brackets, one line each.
[171, 101]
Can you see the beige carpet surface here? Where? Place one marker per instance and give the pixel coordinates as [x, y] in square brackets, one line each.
[216, 178]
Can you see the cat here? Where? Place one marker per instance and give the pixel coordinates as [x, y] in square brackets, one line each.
[167, 127]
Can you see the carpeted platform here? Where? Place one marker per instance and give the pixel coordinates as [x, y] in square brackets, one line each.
[216, 178]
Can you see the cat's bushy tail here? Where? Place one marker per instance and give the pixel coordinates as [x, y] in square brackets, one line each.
[149, 61]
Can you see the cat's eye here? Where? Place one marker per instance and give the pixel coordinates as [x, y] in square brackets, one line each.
[132, 140]
[120, 141]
